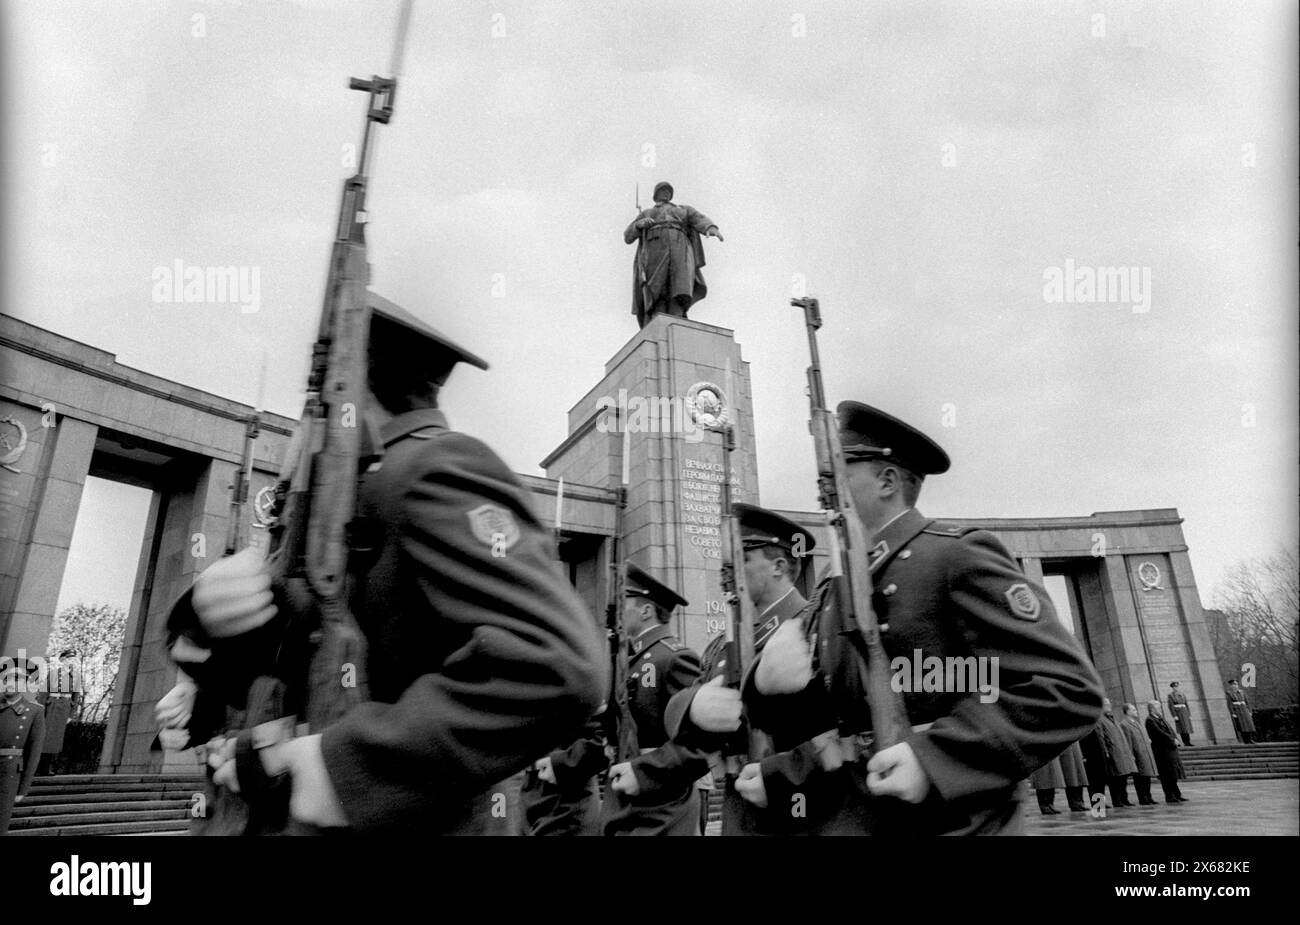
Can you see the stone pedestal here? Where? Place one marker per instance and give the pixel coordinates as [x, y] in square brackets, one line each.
[650, 404]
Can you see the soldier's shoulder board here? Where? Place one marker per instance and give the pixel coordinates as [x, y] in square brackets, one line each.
[949, 529]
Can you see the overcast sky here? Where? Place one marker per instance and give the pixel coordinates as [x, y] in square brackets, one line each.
[923, 166]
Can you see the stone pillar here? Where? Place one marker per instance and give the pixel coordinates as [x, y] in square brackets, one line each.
[188, 518]
[1123, 669]
[53, 471]
[1201, 657]
[675, 467]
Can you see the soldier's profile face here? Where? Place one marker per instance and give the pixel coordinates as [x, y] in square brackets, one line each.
[632, 618]
[9, 680]
[758, 573]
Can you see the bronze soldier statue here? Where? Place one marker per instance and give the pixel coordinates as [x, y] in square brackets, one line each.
[669, 256]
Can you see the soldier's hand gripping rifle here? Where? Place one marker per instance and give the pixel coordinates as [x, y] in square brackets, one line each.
[318, 673]
[849, 545]
[623, 735]
[737, 652]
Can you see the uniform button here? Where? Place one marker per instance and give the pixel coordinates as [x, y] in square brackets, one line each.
[905, 554]
[884, 627]
[889, 589]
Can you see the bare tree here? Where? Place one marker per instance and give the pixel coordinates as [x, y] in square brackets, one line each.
[1260, 626]
[94, 632]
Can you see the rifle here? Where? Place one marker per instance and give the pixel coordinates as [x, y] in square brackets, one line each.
[236, 530]
[640, 258]
[849, 545]
[624, 735]
[318, 672]
[738, 649]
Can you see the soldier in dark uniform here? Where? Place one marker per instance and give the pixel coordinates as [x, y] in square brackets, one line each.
[1242, 719]
[61, 696]
[944, 591]
[774, 548]
[1181, 712]
[480, 655]
[654, 793]
[559, 794]
[22, 732]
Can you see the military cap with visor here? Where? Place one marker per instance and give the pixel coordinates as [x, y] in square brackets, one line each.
[869, 433]
[640, 584]
[761, 527]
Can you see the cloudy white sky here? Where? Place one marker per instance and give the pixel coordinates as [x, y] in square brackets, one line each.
[920, 165]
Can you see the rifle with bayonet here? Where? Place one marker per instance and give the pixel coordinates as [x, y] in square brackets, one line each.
[849, 545]
[623, 735]
[738, 649]
[318, 673]
[237, 527]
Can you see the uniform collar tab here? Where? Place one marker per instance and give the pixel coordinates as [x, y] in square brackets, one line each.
[408, 422]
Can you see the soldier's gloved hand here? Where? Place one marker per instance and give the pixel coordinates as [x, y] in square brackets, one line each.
[183, 650]
[714, 233]
[221, 758]
[749, 784]
[233, 595]
[829, 753]
[715, 708]
[785, 667]
[623, 780]
[313, 799]
[545, 770]
[173, 711]
[896, 772]
[643, 223]
[174, 740]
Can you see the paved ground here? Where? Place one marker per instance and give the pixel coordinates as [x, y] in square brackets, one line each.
[1232, 807]
[1228, 807]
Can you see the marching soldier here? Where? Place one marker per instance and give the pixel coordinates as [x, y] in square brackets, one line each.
[559, 795]
[654, 793]
[940, 591]
[774, 548]
[479, 653]
[22, 732]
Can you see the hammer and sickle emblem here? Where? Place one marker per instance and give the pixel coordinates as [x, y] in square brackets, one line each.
[12, 452]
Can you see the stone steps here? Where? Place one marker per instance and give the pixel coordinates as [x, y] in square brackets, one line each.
[107, 804]
[1234, 761]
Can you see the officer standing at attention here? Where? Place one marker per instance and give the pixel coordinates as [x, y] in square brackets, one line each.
[939, 590]
[654, 793]
[480, 655]
[22, 732]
